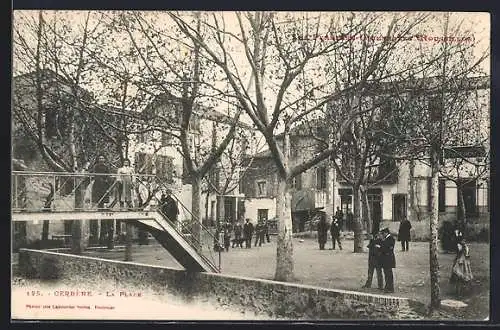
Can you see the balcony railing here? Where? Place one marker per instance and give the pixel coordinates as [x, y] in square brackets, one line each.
[76, 192]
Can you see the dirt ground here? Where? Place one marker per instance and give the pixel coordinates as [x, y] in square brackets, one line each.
[345, 270]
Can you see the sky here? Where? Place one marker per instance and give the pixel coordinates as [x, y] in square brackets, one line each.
[477, 23]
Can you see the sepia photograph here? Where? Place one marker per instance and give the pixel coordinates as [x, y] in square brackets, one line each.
[250, 165]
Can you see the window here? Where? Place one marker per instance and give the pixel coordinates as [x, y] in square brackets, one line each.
[51, 125]
[141, 138]
[143, 163]
[435, 108]
[165, 167]
[442, 195]
[261, 188]
[321, 177]
[166, 139]
[297, 182]
[262, 214]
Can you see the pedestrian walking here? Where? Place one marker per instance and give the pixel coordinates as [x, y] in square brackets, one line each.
[247, 233]
[461, 272]
[387, 258]
[404, 235]
[374, 263]
[335, 233]
[322, 228]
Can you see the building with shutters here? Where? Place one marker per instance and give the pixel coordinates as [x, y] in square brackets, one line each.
[157, 152]
[395, 188]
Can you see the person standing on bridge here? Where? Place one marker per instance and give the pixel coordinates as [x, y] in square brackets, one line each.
[100, 195]
[125, 180]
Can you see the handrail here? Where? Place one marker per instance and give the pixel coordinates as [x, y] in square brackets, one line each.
[196, 220]
[60, 193]
[76, 174]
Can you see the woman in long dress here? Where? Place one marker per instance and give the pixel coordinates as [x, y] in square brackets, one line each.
[461, 272]
[125, 183]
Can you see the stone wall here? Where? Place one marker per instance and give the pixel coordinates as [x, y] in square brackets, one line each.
[263, 297]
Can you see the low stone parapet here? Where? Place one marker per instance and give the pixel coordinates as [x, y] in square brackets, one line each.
[264, 297]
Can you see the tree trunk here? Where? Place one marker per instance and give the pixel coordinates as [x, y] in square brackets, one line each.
[284, 253]
[358, 228]
[433, 223]
[366, 211]
[222, 210]
[414, 214]
[128, 241]
[76, 226]
[329, 210]
[462, 219]
[195, 207]
[110, 229]
[45, 230]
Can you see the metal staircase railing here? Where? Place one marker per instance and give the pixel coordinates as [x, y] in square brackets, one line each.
[198, 236]
[63, 192]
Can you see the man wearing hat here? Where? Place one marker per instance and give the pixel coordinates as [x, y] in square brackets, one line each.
[387, 258]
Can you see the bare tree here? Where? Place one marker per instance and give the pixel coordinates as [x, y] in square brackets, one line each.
[178, 80]
[50, 104]
[272, 49]
[430, 115]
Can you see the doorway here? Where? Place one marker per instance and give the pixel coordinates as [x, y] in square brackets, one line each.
[399, 207]
[375, 205]
[468, 190]
[262, 214]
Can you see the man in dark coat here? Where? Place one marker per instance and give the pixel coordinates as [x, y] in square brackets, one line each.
[247, 233]
[387, 258]
[102, 183]
[238, 229]
[374, 261]
[266, 231]
[169, 207]
[259, 233]
[100, 195]
[404, 234]
[322, 228]
[339, 215]
[335, 233]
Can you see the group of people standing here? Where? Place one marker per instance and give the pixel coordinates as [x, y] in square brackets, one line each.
[242, 234]
[334, 228]
[381, 258]
[102, 184]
